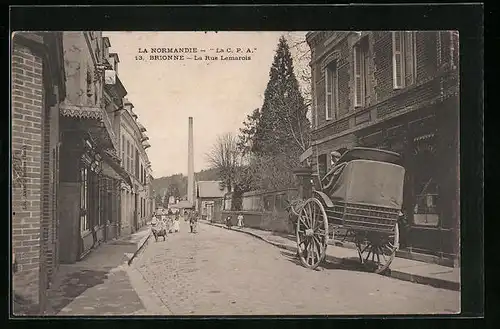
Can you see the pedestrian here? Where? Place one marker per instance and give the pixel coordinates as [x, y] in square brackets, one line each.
[176, 224]
[192, 222]
[228, 222]
[240, 220]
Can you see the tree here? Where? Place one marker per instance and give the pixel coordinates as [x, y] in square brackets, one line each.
[226, 158]
[159, 199]
[283, 125]
[301, 55]
[247, 133]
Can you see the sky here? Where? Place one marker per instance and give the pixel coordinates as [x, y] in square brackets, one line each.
[217, 94]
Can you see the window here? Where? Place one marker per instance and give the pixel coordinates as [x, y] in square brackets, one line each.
[136, 171]
[361, 73]
[89, 82]
[403, 59]
[84, 224]
[128, 155]
[123, 150]
[332, 91]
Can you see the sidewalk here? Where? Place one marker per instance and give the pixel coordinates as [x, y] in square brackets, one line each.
[100, 284]
[401, 268]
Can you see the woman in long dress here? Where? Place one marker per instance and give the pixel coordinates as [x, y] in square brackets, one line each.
[177, 224]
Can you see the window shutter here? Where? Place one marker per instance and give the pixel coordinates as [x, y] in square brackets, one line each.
[397, 67]
[409, 58]
[358, 92]
[366, 78]
[328, 95]
[336, 93]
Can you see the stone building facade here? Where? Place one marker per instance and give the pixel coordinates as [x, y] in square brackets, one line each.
[91, 172]
[136, 205]
[38, 87]
[398, 91]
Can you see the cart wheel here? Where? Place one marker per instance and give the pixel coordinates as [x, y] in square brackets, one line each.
[378, 252]
[312, 233]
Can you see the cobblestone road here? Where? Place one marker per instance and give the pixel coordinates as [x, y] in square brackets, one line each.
[222, 272]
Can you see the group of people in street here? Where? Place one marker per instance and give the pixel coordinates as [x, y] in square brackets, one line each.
[164, 222]
[229, 223]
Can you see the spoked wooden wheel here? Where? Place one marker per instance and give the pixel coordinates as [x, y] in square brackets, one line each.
[378, 251]
[312, 233]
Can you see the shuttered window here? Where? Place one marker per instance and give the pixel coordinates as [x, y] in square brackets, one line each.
[403, 59]
[332, 91]
[361, 73]
[123, 151]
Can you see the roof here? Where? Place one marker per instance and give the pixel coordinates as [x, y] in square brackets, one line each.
[210, 189]
[115, 55]
[182, 204]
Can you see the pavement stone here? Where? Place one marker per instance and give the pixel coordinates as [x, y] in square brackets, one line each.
[401, 268]
[97, 285]
[222, 272]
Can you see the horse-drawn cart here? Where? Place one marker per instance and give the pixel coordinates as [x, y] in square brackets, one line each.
[362, 195]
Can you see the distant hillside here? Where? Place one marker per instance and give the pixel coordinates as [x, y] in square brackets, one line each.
[179, 181]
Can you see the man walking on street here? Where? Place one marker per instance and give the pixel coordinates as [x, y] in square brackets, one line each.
[192, 221]
[240, 220]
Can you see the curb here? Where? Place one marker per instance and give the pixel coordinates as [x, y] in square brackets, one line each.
[414, 278]
[140, 246]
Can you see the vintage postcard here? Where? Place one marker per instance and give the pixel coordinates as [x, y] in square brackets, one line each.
[235, 173]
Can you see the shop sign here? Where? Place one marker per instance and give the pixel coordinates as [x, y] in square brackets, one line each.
[110, 77]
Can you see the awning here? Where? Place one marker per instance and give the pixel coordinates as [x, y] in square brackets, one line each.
[104, 129]
[114, 162]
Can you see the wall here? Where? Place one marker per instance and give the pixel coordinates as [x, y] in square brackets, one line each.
[27, 114]
[262, 209]
[269, 221]
[78, 62]
[69, 212]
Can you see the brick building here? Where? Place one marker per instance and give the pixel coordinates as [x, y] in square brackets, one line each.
[209, 198]
[396, 91]
[37, 89]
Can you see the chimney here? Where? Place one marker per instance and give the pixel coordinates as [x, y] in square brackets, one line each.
[190, 188]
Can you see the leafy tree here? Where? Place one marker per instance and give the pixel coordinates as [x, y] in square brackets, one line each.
[279, 132]
[247, 133]
[283, 125]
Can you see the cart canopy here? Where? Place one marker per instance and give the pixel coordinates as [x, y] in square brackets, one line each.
[368, 182]
[365, 153]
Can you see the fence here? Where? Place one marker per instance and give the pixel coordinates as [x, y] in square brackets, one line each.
[262, 209]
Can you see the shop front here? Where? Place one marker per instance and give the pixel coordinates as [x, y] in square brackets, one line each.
[428, 143]
[89, 202]
[91, 221]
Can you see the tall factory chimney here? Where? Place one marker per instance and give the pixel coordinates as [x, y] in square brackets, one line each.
[190, 188]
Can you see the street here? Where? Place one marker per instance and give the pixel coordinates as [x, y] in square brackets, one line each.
[221, 272]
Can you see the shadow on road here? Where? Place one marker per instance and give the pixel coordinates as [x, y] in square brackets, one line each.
[349, 264]
[73, 285]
